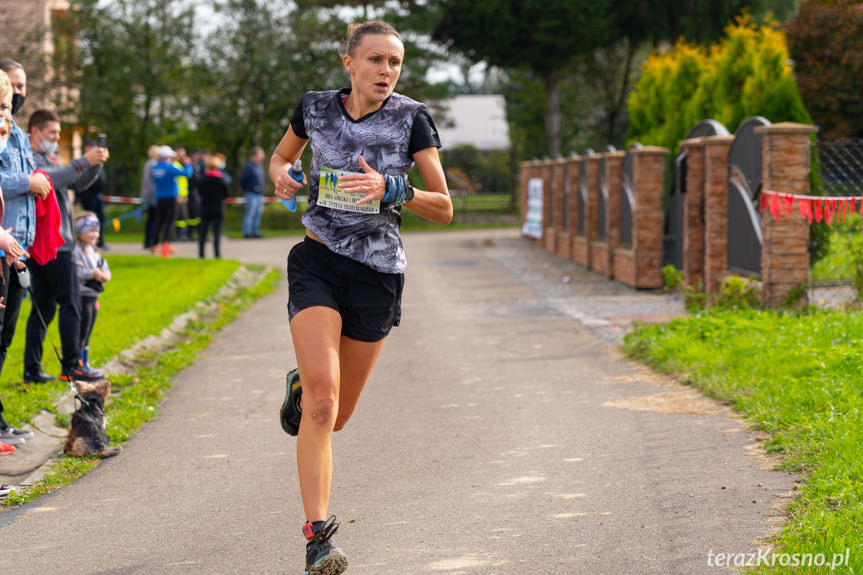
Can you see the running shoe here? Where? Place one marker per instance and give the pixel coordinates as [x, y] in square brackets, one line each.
[13, 436]
[6, 449]
[322, 557]
[80, 372]
[290, 413]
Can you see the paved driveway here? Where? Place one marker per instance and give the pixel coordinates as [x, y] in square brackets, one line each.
[501, 434]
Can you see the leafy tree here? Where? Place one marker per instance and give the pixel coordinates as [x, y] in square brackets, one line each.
[825, 42]
[541, 37]
[255, 67]
[131, 71]
[746, 74]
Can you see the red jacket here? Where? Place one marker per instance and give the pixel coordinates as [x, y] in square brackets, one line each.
[48, 238]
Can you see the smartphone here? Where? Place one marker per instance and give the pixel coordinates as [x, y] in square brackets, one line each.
[102, 140]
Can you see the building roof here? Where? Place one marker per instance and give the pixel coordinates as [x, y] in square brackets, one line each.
[477, 120]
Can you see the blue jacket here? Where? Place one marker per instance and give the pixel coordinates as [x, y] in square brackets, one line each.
[252, 178]
[165, 176]
[16, 165]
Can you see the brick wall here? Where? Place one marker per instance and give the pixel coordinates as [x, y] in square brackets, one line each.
[784, 252]
[784, 256]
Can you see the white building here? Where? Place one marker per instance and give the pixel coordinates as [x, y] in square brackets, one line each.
[476, 120]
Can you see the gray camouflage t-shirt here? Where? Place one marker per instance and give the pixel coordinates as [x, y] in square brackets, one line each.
[387, 139]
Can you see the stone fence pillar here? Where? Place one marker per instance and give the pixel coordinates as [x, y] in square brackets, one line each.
[548, 213]
[693, 212]
[784, 251]
[715, 210]
[648, 172]
[561, 207]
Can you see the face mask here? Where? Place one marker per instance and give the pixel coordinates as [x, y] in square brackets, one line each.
[50, 148]
[17, 102]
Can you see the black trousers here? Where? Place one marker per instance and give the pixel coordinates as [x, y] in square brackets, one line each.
[89, 311]
[166, 213]
[206, 222]
[150, 227]
[54, 284]
[13, 294]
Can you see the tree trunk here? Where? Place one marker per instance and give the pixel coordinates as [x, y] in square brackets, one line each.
[552, 112]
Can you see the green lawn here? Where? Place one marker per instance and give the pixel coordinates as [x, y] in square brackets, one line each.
[142, 298]
[799, 378]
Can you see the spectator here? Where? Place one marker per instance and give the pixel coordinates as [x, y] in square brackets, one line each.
[184, 223]
[9, 436]
[222, 159]
[252, 184]
[214, 191]
[148, 198]
[53, 280]
[93, 273]
[165, 176]
[92, 199]
[21, 186]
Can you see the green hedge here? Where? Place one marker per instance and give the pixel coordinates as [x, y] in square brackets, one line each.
[746, 74]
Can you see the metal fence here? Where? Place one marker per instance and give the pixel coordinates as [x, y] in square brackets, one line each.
[841, 164]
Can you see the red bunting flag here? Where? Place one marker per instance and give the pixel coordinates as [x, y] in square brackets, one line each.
[811, 208]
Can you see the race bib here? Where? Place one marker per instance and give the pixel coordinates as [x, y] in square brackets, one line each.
[330, 196]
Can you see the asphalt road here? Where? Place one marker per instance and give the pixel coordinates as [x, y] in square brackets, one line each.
[498, 436]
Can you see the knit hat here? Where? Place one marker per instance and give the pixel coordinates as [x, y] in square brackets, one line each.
[85, 224]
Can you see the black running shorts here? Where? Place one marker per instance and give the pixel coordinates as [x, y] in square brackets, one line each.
[369, 302]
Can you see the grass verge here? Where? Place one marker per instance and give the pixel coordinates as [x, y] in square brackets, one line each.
[135, 398]
[796, 376]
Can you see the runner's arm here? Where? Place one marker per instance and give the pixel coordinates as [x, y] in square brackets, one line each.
[433, 203]
[287, 152]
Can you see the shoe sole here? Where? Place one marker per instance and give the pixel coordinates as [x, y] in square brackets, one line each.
[333, 564]
[284, 418]
[14, 440]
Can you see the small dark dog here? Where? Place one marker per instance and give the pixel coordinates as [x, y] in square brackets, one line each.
[87, 432]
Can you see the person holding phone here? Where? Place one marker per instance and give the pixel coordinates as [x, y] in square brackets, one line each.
[92, 198]
[54, 280]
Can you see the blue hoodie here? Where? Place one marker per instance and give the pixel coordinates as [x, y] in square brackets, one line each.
[165, 176]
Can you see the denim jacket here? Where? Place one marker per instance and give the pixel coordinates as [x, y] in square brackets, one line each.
[16, 165]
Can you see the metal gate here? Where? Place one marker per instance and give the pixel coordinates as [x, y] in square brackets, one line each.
[672, 245]
[602, 199]
[627, 198]
[744, 186]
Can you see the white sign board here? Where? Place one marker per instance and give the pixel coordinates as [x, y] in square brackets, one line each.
[533, 221]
